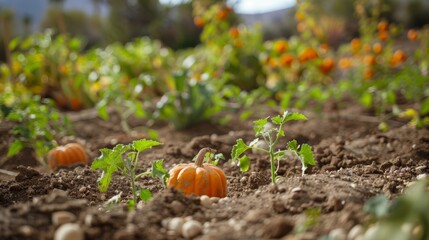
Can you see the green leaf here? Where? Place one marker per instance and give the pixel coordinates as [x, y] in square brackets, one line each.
[279, 155]
[424, 109]
[307, 155]
[145, 195]
[245, 115]
[143, 144]
[277, 120]
[14, 148]
[109, 162]
[293, 116]
[239, 148]
[102, 111]
[292, 145]
[159, 171]
[244, 163]
[131, 204]
[153, 134]
[366, 100]
[258, 126]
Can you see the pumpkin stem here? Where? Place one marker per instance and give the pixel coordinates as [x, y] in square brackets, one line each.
[201, 154]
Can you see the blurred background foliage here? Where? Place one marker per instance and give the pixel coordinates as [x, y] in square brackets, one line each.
[121, 21]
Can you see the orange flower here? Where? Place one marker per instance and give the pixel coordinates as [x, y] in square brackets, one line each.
[238, 43]
[75, 104]
[199, 21]
[397, 58]
[301, 27]
[383, 35]
[307, 55]
[324, 47]
[412, 35]
[366, 48]
[382, 26]
[356, 44]
[234, 32]
[272, 62]
[327, 65]
[368, 73]
[369, 60]
[280, 46]
[345, 63]
[299, 16]
[377, 48]
[223, 13]
[286, 60]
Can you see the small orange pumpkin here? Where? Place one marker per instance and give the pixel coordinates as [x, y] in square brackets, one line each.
[68, 155]
[199, 178]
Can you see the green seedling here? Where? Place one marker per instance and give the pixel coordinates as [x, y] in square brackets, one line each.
[124, 159]
[270, 137]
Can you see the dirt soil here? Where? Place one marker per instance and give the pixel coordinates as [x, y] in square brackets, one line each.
[355, 162]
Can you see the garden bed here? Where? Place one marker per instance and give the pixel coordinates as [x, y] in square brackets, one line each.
[354, 162]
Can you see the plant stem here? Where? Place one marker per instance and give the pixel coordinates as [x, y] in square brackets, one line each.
[130, 169]
[273, 167]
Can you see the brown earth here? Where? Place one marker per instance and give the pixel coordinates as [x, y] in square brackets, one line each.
[355, 162]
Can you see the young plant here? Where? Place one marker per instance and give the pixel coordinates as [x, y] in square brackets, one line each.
[35, 122]
[124, 159]
[270, 136]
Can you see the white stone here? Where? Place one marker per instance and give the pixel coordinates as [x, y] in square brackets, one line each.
[69, 231]
[421, 176]
[355, 232]
[338, 234]
[191, 229]
[176, 224]
[61, 217]
[205, 201]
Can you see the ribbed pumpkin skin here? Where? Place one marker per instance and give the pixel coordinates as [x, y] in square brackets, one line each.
[206, 179]
[68, 155]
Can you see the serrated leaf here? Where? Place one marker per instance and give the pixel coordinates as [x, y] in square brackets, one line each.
[159, 171]
[277, 120]
[109, 162]
[239, 148]
[294, 117]
[143, 144]
[292, 145]
[307, 155]
[258, 126]
[14, 148]
[145, 195]
[244, 163]
[281, 133]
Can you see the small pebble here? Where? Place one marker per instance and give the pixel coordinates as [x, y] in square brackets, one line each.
[82, 189]
[355, 232]
[69, 231]
[353, 185]
[61, 217]
[421, 176]
[296, 189]
[177, 207]
[214, 199]
[338, 234]
[26, 230]
[223, 200]
[243, 179]
[191, 229]
[205, 201]
[176, 224]
[89, 220]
